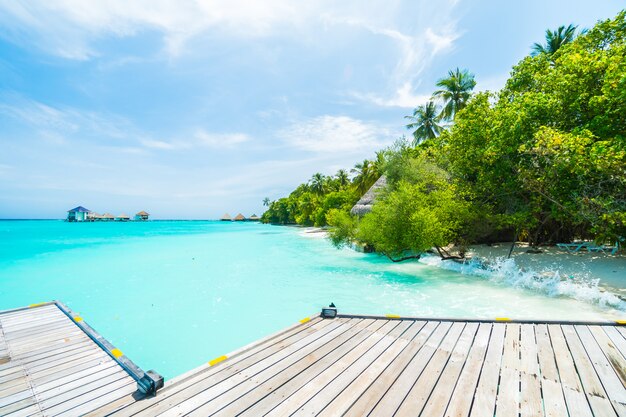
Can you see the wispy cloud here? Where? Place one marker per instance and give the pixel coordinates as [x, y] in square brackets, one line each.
[403, 97]
[220, 140]
[331, 134]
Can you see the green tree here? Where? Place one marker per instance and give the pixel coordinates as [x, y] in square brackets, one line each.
[266, 202]
[318, 183]
[554, 40]
[424, 122]
[455, 90]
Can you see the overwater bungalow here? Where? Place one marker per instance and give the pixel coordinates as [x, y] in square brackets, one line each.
[254, 218]
[142, 216]
[77, 214]
[226, 218]
[239, 218]
[122, 218]
[107, 217]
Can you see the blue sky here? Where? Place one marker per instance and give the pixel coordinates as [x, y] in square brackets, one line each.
[189, 109]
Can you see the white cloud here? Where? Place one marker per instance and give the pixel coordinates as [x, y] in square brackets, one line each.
[334, 134]
[219, 140]
[68, 28]
[441, 41]
[403, 97]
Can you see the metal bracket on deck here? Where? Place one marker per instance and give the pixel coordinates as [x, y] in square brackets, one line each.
[329, 312]
[150, 382]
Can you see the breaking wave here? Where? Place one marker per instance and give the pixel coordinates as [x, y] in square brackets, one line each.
[548, 282]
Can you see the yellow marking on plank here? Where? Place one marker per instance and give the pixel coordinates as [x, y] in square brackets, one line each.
[304, 320]
[503, 319]
[392, 316]
[621, 322]
[217, 360]
[36, 305]
[116, 353]
[78, 319]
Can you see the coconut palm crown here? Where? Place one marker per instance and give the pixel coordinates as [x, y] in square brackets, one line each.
[424, 122]
[455, 90]
[555, 40]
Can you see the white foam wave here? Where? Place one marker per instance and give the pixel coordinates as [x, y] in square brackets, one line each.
[548, 282]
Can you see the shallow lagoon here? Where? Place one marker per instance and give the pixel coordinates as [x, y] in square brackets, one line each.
[175, 294]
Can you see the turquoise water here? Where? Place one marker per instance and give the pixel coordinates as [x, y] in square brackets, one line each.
[173, 295]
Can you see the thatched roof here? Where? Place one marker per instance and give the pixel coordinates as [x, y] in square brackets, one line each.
[123, 216]
[364, 205]
[142, 213]
[226, 216]
[239, 217]
[254, 217]
[107, 216]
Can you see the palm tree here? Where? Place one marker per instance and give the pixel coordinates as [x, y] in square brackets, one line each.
[318, 183]
[342, 177]
[456, 89]
[425, 121]
[554, 40]
[266, 201]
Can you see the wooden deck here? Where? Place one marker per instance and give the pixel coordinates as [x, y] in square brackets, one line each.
[360, 366]
[349, 365]
[52, 363]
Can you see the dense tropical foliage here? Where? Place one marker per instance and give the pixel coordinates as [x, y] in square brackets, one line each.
[543, 160]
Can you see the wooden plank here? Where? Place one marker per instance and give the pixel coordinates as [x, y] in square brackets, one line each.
[44, 387]
[404, 382]
[45, 357]
[610, 381]
[553, 399]
[267, 395]
[463, 394]
[287, 366]
[341, 382]
[179, 398]
[508, 401]
[306, 392]
[30, 411]
[591, 383]
[611, 349]
[419, 394]
[98, 376]
[530, 387]
[86, 390]
[91, 400]
[487, 389]
[268, 367]
[444, 388]
[16, 406]
[352, 392]
[616, 337]
[572, 388]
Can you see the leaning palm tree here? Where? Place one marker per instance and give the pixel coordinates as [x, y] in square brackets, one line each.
[425, 121]
[555, 39]
[266, 201]
[456, 89]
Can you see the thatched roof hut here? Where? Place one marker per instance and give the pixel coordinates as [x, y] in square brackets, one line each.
[122, 217]
[254, 218]
[226, 217]
[364, 205]
[240, 217]
[107, 216]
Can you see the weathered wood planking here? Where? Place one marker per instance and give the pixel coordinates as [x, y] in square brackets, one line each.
[50, 366]
[350, 366]
[382, 366]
